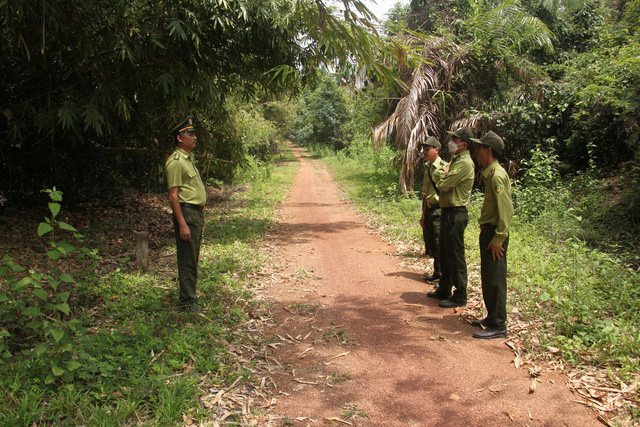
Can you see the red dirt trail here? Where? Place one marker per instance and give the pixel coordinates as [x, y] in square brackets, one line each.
[360, 337]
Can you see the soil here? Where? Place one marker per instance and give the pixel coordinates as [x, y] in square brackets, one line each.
[356, 341]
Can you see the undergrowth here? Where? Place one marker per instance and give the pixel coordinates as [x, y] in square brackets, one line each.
[105, 345]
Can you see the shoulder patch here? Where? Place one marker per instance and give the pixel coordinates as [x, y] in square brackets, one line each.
[499, 188]
[176, 156]
[454, 170]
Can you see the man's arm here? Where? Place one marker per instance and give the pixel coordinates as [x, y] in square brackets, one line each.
[454, 176]
[185, 233]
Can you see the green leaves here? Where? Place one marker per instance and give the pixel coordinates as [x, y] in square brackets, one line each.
[38, 307]
[44, 228]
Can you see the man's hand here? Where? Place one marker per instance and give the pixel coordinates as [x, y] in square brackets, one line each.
[185, 233]
[496, 251]
[422, 221]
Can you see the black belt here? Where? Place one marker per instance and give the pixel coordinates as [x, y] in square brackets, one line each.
[488, 226]
[430, 206]
[455, 209]
[190, 206]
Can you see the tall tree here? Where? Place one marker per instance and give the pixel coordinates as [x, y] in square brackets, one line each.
[87, 87]
[459, 72]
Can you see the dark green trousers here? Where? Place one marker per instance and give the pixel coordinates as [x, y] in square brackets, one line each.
[431, 235]
[454, 265]
[188, 254]
[493, 274]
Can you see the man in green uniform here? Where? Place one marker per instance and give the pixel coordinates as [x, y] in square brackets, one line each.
[430, 219]
[187, 197]
[455, 192]
[495, 218]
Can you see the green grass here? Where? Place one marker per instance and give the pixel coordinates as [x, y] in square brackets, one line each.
[141, 360]
[573, 270]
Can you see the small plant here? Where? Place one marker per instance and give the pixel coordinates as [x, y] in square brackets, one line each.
[287, 421]
[341, 336]
[304, 308]
[35, 307]
[353, 411]
[340, 378]
[301, 274]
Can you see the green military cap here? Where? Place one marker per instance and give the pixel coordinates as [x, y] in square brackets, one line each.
[185, 125]
[463, 133]
[431, 141]
[491, 139]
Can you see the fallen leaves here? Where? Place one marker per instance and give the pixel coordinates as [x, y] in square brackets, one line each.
[338, 420]
[598, 390]
[346, 353]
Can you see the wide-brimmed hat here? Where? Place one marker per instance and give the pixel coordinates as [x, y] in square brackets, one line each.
[463, 133]
[491, 139]
[432, 142]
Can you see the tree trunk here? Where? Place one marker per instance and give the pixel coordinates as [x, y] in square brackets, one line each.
[142, 251]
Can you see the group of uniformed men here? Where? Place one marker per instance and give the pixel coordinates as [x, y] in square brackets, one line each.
[446, 193]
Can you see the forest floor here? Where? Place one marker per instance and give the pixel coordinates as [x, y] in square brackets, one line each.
[355, 340]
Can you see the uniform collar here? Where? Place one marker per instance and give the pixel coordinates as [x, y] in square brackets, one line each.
[489, 169]
[465, 153]
[181, 151]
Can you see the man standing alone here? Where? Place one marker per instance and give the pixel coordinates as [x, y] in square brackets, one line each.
[495, 218]
[455, 194]
[187, 197]
[430, 220]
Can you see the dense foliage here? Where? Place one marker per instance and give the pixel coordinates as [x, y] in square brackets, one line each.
[90, 89]
[560, 75]
[322, 116]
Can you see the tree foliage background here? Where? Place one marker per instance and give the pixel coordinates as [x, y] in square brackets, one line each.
[91, 88]
[560, 75]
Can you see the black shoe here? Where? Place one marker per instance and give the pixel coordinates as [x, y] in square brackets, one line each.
[432, 278]
[480, 323]
[436, 295]
[194, 308]
[451, 304]
[487, 334]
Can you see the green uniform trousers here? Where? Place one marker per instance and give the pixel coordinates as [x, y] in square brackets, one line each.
[454, 265]
[188, 254]
[493, 274]
[431, 235]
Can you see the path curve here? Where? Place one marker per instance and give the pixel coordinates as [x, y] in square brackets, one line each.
[356, 334]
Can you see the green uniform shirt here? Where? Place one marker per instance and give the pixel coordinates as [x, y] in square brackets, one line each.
[429, 193]
[455, 186]
[182, 172]
[497, 208]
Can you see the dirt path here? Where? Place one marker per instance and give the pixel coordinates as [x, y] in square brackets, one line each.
[358, 340]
